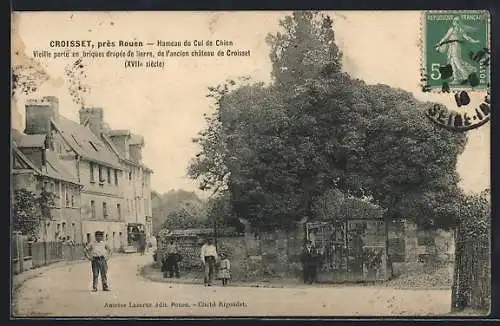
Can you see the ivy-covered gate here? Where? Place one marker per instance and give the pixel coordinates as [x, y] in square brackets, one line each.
[351, 250]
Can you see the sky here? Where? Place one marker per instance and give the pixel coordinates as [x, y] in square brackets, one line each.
[166, 105]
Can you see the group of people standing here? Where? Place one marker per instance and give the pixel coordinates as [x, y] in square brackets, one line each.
[212, 261]
[209, 258]
[98, 252]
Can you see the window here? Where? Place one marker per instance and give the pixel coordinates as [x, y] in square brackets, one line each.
[88, 237]
[101, 179]
[64, 228]
[93, 146]
[104, 210]
[76, 141]
[109, 175]
[66, 195]
[73, 202]
[73, 231]
[119, 209]
[130, 175]
[92, 208]
[116, 177]
[92, 177]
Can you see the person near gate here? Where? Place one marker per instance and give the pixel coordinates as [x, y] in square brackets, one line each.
[209, 258]
[310, 262]
[98, 253]
[224, 269]
[142, 242]
[171, 261]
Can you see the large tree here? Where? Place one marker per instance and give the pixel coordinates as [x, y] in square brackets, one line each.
[277, 148]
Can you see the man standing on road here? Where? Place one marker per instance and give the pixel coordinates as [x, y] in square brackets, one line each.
[310, 260]
[142, 242]
[209, 257]
[98, 253]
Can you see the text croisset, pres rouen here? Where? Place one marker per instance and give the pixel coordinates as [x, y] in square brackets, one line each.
[132, 43]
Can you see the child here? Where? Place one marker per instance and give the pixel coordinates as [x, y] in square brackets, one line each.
[224, 269]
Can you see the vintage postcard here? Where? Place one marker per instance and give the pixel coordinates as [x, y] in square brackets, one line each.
[257, 163]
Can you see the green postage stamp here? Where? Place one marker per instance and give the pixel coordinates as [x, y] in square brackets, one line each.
[456, 50]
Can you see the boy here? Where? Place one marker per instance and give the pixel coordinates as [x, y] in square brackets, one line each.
[98, 253]
[172, 260]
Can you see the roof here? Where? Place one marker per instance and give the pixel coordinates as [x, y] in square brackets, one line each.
[23, 140]
[16, 134]
[55, 170]
[120, 132]
[86, 143]
[53, 167]
[23, 159]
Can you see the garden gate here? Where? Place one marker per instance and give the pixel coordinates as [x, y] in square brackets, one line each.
[351, 250]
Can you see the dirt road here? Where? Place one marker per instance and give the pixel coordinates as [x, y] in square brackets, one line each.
[65, 291]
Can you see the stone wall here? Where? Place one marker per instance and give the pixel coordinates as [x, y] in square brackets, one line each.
[427, 249]
[253, 256]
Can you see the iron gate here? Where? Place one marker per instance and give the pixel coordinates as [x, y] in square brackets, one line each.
[351, 250]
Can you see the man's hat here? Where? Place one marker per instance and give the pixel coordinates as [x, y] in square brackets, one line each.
[99, 233]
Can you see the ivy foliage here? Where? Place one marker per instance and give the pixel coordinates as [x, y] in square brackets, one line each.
[30, 209]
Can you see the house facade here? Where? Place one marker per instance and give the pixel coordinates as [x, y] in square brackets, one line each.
[35, 168]
[87, 152]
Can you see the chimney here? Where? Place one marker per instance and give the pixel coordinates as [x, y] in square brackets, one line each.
[120, 139]
[38, 114]
[136, 145]
[95, 117]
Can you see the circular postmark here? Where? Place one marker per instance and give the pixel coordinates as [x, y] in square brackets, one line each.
[468, 115]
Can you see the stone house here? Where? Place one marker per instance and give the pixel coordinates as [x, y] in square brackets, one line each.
[89, 155]
[136, 181]
[35, 168]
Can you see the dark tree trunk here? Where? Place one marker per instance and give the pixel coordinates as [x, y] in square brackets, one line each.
[471, 277]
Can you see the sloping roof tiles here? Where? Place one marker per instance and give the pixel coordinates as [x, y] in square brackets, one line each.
[23, 141]
[56, 170]
[86, 143]
[53, 167]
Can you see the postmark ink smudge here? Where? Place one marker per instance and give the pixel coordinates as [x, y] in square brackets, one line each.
[462, 98]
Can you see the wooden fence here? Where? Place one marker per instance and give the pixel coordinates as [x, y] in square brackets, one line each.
[26, 254]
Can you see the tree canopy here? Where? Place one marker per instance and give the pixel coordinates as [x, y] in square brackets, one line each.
[277, 148]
